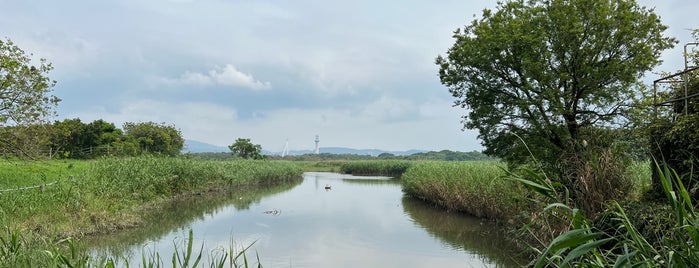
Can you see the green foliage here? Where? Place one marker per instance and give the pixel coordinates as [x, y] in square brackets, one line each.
[71, 138]
[477, 188]
[674, 131]
[393, 168]
[446, 155]
[24, 88]
[543, 70]
[24, 141]
[243, 148]
[102, 195]
[73, 198]
[622, 244]
[25, 101]
[154, 138]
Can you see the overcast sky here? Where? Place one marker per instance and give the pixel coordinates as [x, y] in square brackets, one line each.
[359, 74]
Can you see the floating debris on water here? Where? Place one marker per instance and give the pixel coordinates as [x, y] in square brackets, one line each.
[275, 212]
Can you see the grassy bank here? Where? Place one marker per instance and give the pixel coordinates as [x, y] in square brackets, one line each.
[43, 202]
[75, 198]
[476, 187]
[320, 166]
[391, 168]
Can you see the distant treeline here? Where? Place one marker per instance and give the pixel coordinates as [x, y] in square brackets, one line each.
[71, 138]
[444, 155]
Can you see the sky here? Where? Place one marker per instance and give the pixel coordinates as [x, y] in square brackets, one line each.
[358, 74]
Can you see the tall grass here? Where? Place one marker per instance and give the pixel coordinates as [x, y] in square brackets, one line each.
[321, 165]
[18, 173]
[392, 168]
[623, 245]
[103, 197]
[477, 188]
[106, 195]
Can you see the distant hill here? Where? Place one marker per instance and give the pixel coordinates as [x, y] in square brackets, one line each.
[192, 146]
[210, 151]
[372, 152]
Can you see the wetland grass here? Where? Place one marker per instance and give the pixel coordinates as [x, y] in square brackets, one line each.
[390, 168]
[476, 187]
[623, 242]
[75, 198]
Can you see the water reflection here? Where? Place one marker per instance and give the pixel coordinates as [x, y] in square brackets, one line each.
[386, 181]
[177, 214]
[461, 231]
[359, 222]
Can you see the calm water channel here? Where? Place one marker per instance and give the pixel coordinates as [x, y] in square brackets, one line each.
[359, 222]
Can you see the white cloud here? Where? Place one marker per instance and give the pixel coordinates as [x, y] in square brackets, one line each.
[69, 54]
[229, 75]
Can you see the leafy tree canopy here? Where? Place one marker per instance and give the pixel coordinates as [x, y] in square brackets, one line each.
[545, 70]
[246, 149]
[25, 89]
[155, 138]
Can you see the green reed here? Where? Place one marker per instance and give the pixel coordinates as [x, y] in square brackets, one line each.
[392, 168]
[83, 197]
[621, 243]
[475, 187]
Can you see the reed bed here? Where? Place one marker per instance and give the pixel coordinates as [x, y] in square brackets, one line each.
[478, 188]
[105, 195]
[151, 177]
[391, 168]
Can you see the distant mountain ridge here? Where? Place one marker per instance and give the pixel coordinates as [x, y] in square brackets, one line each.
[192, 146]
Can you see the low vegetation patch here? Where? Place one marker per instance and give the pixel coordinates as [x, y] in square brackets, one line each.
[477, 187]
[392, 168]
[629, 235]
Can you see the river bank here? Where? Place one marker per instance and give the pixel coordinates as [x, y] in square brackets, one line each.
[63, 199]
[45, 202]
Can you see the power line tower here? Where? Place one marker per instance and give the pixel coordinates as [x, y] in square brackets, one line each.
[317, 150]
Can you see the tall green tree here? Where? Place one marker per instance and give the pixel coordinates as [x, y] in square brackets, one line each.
[547, 70]
[67, 139]
[25, 99]
[25, 89]
[151, 137]
[71, 138]
[245, 149]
